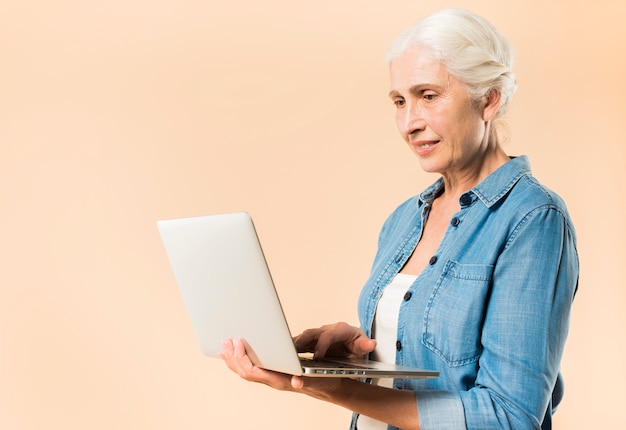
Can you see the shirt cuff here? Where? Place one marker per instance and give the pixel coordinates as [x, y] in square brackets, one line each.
[441, 410]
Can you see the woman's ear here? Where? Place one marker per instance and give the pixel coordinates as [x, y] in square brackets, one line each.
[492, 104]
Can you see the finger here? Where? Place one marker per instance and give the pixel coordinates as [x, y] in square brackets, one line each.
[306, 341]
[236, 358]
[297, 382]
[234, 354]
[239, 348]
[347, 341]
[332, 336]
[339, 334]
[227, 349]
[363, 346]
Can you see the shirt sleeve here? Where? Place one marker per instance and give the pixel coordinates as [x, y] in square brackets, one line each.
[524, 331]
[442, 410]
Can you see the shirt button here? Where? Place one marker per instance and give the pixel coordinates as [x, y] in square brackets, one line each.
[432, 260]
[398, 345]
[455, 221]
[466, 199]
[407, 296]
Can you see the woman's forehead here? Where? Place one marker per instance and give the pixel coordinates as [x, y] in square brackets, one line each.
[417, 67]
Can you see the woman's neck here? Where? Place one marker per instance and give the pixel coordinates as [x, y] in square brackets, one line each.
[458, 182]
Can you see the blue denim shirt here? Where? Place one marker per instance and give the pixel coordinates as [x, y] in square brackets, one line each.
[491, 311]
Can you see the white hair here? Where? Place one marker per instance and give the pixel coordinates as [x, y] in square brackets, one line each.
[470, 48]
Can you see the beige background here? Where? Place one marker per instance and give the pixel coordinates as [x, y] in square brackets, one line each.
[116, 113]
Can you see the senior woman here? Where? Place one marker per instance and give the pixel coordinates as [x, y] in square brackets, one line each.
[473, 277]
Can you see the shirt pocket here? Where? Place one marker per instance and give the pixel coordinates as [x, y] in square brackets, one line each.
[455, 312]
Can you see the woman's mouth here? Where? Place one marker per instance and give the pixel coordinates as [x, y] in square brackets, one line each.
[424, 147]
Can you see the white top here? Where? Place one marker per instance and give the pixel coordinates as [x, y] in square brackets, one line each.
[385, 331]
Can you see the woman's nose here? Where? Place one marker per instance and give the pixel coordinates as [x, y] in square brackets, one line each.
[410, 119]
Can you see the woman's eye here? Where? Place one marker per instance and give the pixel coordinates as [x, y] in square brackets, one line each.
[429, 96]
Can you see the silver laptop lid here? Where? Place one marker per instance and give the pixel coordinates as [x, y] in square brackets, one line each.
[227, 288]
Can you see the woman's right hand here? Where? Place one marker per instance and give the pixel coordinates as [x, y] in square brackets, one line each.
[335, 340]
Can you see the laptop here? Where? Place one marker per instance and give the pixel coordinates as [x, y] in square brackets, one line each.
[228, 293]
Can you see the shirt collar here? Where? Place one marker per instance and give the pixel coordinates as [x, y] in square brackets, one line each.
[492, 188]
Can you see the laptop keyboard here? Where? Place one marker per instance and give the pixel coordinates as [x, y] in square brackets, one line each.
[329, 363]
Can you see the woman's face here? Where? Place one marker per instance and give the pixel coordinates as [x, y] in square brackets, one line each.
[436, 116]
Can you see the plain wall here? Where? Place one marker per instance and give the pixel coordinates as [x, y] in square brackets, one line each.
[114, 114]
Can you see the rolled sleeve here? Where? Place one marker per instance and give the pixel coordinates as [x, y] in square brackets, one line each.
[440, 410]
